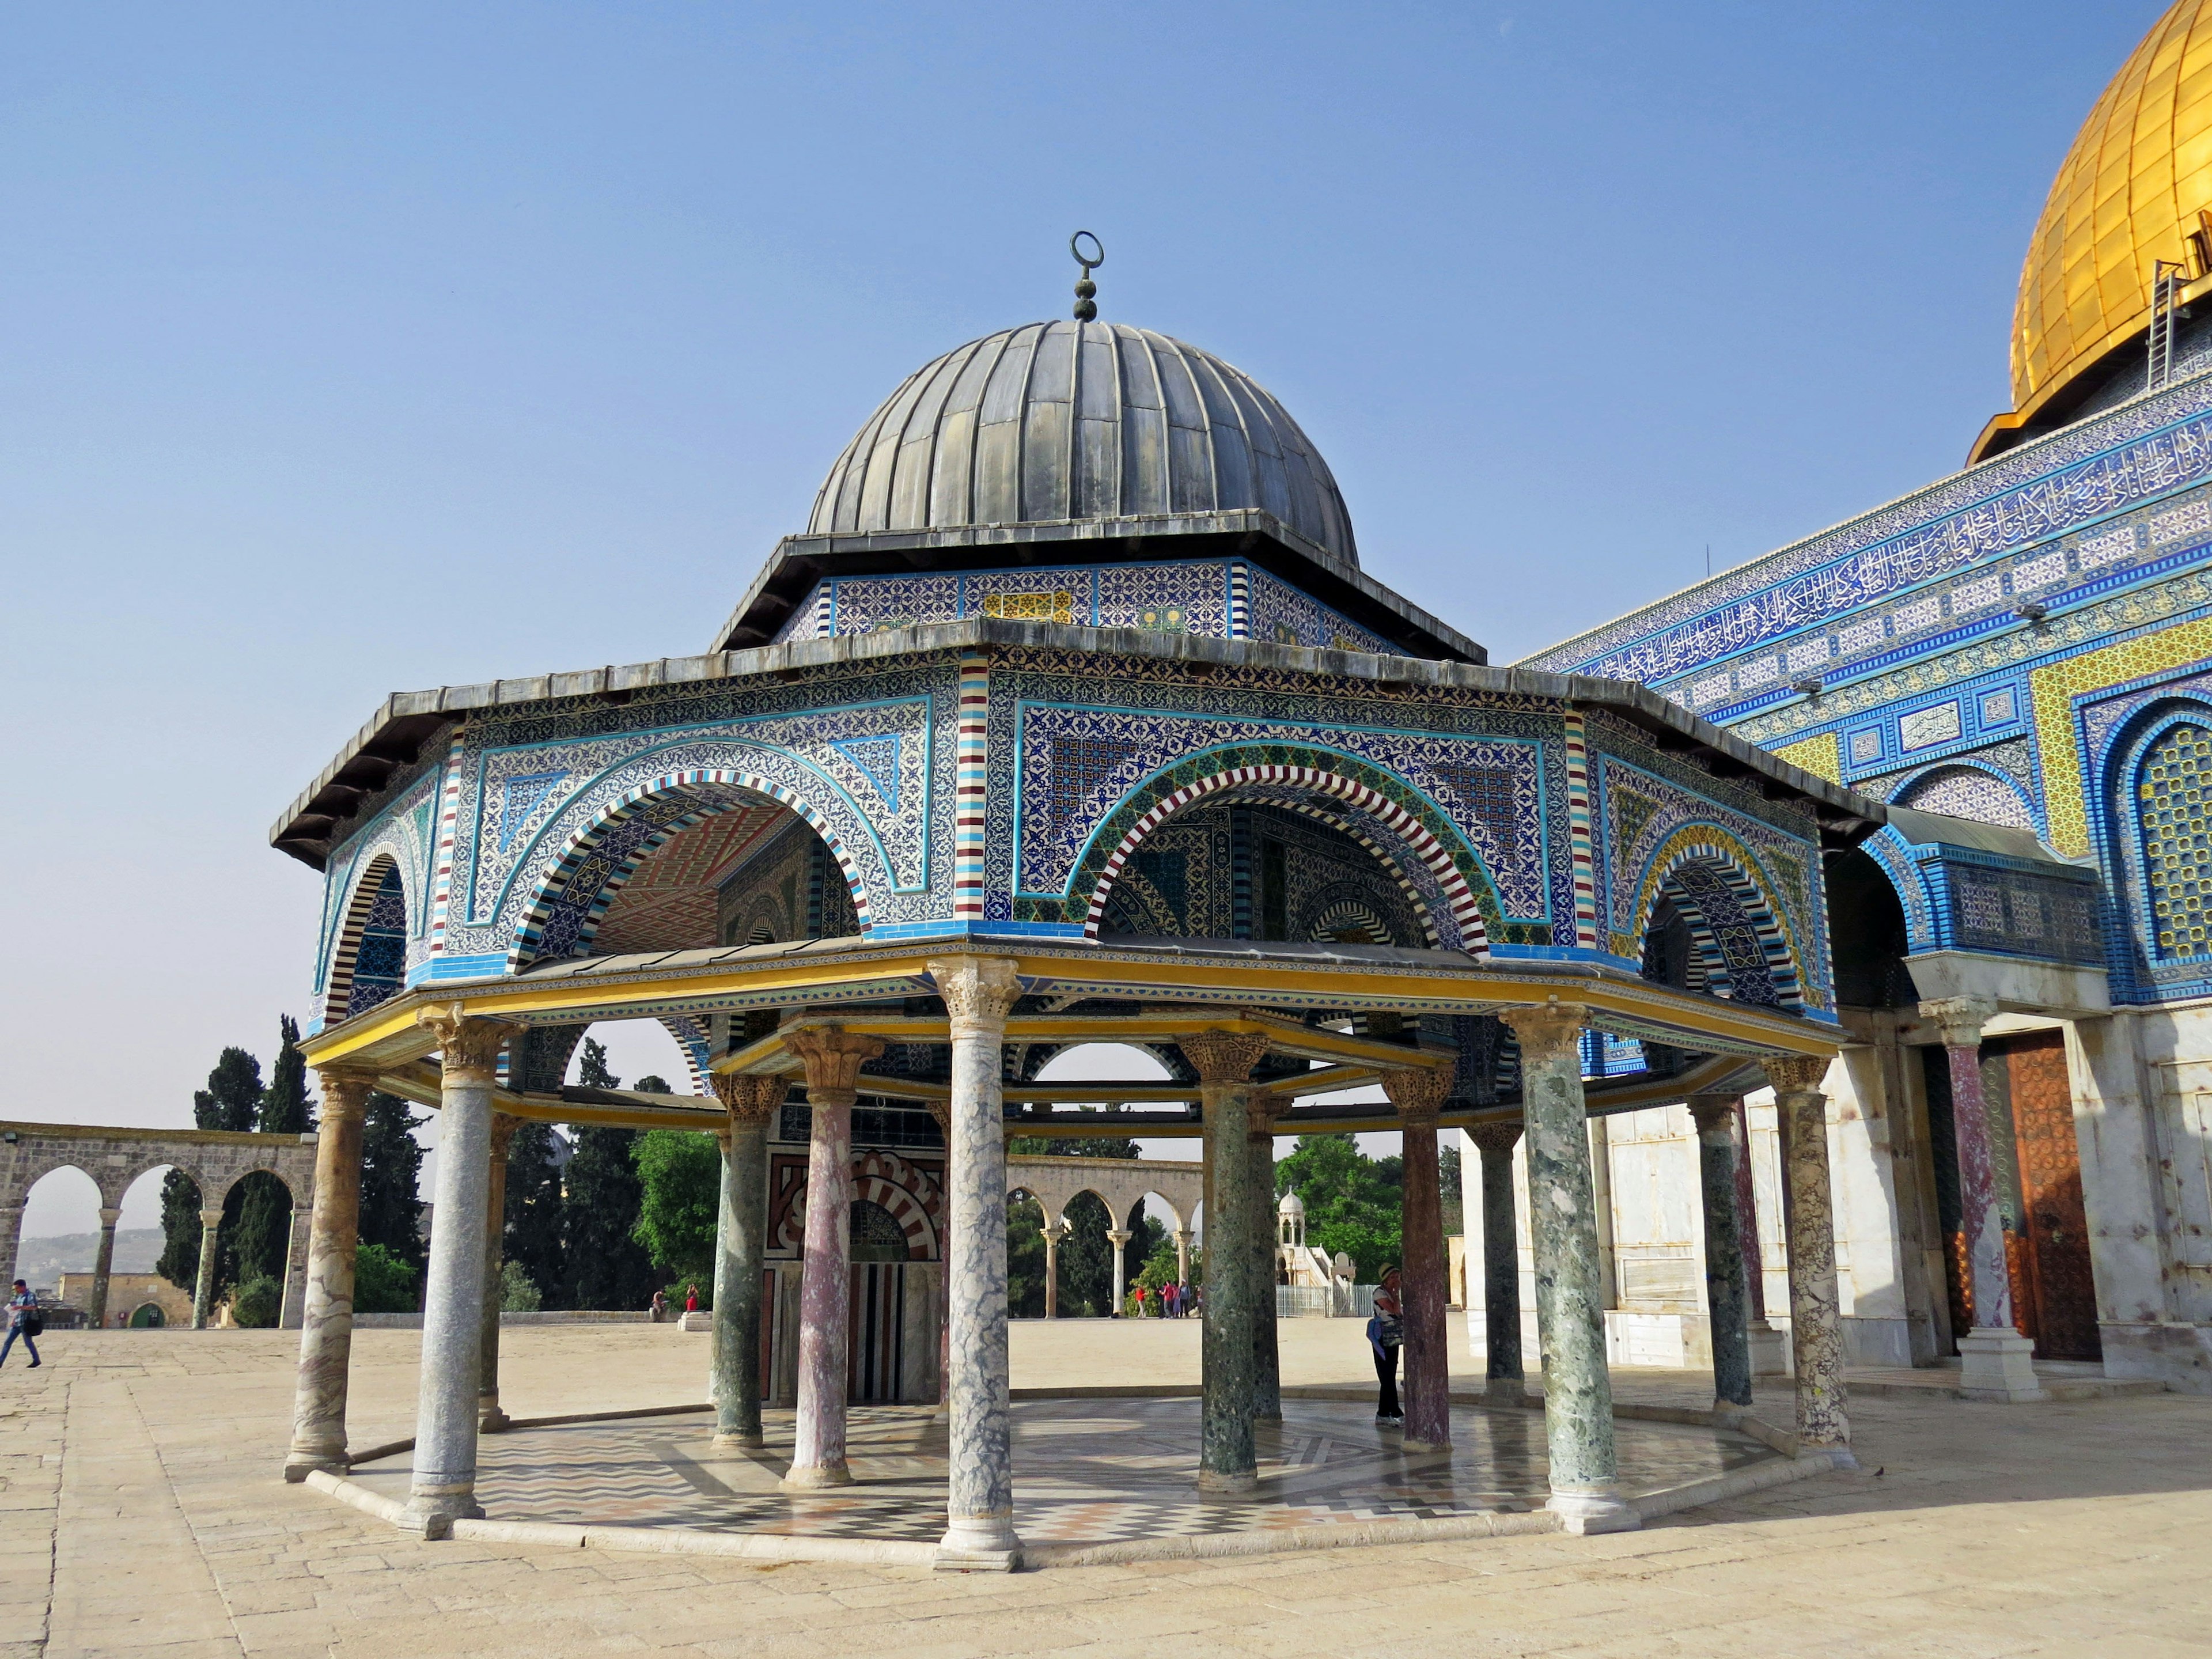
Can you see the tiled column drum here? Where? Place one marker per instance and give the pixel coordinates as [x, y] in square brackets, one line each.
[833, 1060]
[1995, 1362]
[1569, 1298]
[1727, 1298]
[979, 992]
[1419, 1094]
[444, 1486]
[1816, 1324]
[740, 1249]
[319, 1410]
[1228, 1460]
[1501, 1264]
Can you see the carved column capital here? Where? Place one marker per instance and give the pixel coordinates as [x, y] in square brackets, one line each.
[1260, 1113]
[833, 1057]
[979, 992]
[468, 1044]
[503, 1128]
[1547, 1030]
[1497, 1139]
[1961, 1019]
[748, 1099]
[1713, 1114]
[1795, 1074]
[1223, 1056]
[211, 1218]
[345, 1093]
[1419, 1092]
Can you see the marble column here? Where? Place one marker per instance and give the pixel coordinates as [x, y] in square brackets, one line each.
[1816, 1324]
[292, 1306]
[1995, 1362]
[444, 1487]
[979, 991]
[203, 1285]
[319, 1410]
[740, 1252]
[1569, 1297]
[1747, 1219]
[1727, 1301]
[1267, 1353]
[940, 1112]
[1228, 1459]
[103, 1264]
[1118, 1239]
[1419, 1094]
[1055, 1229]
[1182, 1238]
[490, 1419]
[1501, 1264]
[833, 1058]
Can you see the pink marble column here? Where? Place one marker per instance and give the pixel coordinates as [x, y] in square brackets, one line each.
[833, 1058]
[1419, 1094]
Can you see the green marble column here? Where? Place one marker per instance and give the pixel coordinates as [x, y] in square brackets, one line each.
[1266, 1355]
[740, 1244]
[1501, 1264]
[1570, 1295]
[1728, 1298]
[1228, 1460]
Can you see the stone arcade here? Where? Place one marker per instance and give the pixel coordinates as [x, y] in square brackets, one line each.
[1070, 718]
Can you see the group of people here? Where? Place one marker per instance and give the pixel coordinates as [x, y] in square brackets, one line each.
[1169, 1301]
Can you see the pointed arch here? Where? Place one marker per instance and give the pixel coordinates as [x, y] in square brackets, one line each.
[370, 963]
[572, 894]
[1742, 944]
[1414, 836]
[1963, 790]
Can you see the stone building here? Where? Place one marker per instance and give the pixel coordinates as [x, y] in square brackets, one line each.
[2020, 1116]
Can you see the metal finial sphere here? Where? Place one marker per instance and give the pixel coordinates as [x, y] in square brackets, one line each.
[1086, 307]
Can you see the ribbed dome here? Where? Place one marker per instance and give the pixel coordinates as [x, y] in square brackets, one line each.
[2127, 195]
[1066, 420]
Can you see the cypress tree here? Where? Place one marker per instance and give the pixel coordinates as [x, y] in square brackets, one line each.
[390, 1178]
[607, 1268]
[535, 1212]
[232, 1100]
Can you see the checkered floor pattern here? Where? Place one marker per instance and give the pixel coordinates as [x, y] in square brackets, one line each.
[1089, 1471]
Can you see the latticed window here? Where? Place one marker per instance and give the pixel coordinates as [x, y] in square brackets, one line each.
[2170, 804]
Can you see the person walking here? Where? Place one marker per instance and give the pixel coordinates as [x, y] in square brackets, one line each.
[1386, 1334]
[1168, 1300]
[23, 1321]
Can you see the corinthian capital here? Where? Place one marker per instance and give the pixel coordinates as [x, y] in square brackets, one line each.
[979, 992]
[1417, 1092]
[1795, 1074]
[468, 1044]
[833, 1057]
[1961, 1019]
[1223, 1056]
[345, 1094]
[749, 1100]
[1547, 1030]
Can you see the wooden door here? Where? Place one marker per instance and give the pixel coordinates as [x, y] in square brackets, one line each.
[2056, 1293]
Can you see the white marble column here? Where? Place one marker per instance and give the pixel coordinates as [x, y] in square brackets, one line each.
[319, 1410]
[1569, 1296]
[1055, 1229]
[1816, 1324]
[103, 1264]
[1182, 1239]
[979, 992]
[1118, 1239]
[443, 1490]
[203, 1284]
[833, 1058]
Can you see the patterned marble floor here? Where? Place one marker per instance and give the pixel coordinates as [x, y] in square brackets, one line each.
[1085, 1471]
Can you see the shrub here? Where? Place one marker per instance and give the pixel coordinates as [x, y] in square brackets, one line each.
[382, 1283]
[256, 1304]
[517, 1291]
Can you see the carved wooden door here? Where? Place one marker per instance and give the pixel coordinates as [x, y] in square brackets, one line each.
[2059, 1307]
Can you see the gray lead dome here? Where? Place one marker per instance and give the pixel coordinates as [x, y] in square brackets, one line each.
[1066, 419]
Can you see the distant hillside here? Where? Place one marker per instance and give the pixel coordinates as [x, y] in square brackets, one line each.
[43, 1260]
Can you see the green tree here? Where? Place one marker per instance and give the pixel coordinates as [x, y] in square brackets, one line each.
[607, 1267]
[391, 1179]
[1024, 1258]
[652, 1083]
[232, 1101]
[256, 1304]
[536, 1217]
[516, 1292]
[1448, 1184]
[680, 1173]
[1352, 1201]
[383, 1282]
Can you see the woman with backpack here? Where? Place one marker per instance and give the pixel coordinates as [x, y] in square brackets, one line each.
[23, 1321]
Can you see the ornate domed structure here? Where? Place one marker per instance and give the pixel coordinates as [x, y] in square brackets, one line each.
[1066, 419]
[2135, 188]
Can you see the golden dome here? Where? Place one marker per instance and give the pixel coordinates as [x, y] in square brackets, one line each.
[2129, 194]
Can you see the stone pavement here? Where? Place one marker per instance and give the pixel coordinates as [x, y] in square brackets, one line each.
[142, 1513]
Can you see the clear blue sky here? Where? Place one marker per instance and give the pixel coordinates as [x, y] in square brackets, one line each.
[347, 350]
